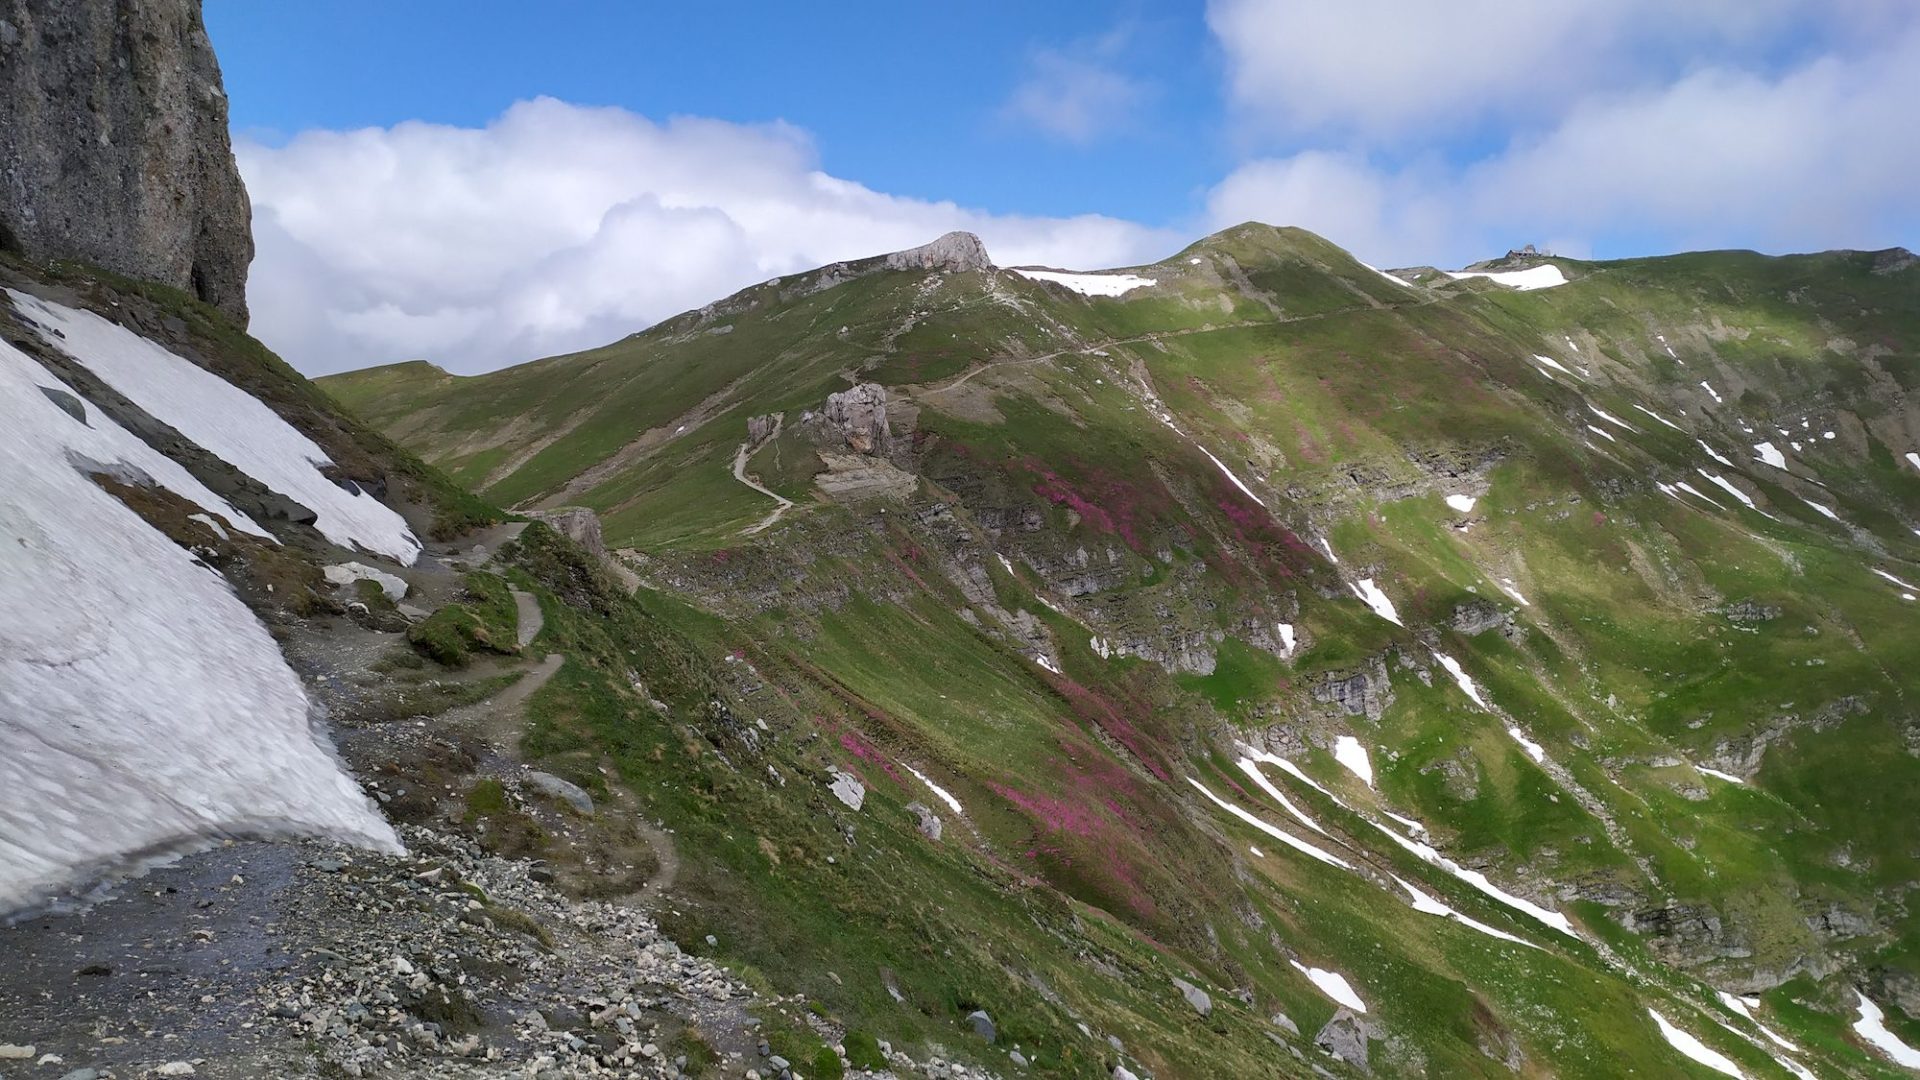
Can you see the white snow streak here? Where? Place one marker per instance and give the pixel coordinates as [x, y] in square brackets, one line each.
[1277, 833]
[1090, 284]
[1715, 394]
[1612, 419]
[1250, 766]
[1534, 749]
[1551, 362]
[1893, 579]
[225, 420]
[1695, 492]
[1367, 591]
[953, 804]
[1428, 905]
[1695, 1049]
[1462, 679]
[1770, 454]
[1602, 434]
[1332, 984]
[1328, 548]
[1658, 417]
[1714, 454]
[1872, 1027]
[1540, 277]
[1507, 585]
[1827, 510]
[141, 703]
[1741, 1007]
[1718, 775]
[1478, 880]
[1244, 489]
[1729, 488]
[347, 573]
[1348, 751]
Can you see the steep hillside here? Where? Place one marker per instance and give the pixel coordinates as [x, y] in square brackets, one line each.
[1458, 675]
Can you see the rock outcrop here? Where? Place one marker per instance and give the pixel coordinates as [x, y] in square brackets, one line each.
[861, 416]
[114, 148]
[957, 251]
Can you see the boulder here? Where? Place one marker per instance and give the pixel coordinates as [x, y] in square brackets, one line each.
[1345, 1037]
[555, 788]
[1195, 996]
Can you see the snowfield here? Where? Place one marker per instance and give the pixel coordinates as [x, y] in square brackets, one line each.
[1770, 454]
[1695, 1049]
[1872, 1027]
[1090, 284]
[1539, 277]
[1333, 984]
[142, 706]
[223, 419]
[1348, 752]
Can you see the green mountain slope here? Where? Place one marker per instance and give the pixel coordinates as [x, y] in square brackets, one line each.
[1603, 591]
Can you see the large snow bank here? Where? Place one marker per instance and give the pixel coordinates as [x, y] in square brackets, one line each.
[1872, 1027]
[1540, 277]
[141, 703]
[1090, 284]
[223, 419]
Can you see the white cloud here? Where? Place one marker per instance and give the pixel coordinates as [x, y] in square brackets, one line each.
[1073, 97]
[1372, 71]
[560, 227]
[1819, 156]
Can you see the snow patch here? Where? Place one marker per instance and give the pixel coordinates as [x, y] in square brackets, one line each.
[1461, 679]
[939, 792]
[1332, 984]
[1348, 751]
[1426, 853]
[142, 705]
[1741, 1006]
[1893, 579]
[1695, 492]
[1612, 419]
[1461, 503]
[1507, 586]
[1729, 488]
[1872, 1027]
[225, 420]
[1250, 765]
[1047, 662]
[1090, 284]
[1286, 636]
[1695, 1049]
[1534, 750]
[1770, 454]
[1328, 548]
[1827, 510]
[1551, 362]
[1428, 905]
[1714, 454]
[1658, 417]
[208, 520]
[1539, 277]
[1913, 459]
[1274, 831]
[1602, 434]
[1367, 591]
[1718, 775]
[1715, 394]
[1221, 465]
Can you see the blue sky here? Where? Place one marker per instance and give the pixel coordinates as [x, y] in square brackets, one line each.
[467, 184]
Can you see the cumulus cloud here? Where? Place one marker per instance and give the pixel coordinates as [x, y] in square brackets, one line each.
[559, 227]
[1374, 71]
[1816, 156]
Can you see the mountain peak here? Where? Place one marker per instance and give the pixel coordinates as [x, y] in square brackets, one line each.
[957, 251]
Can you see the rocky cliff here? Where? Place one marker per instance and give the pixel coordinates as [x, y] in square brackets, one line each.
[114, 148]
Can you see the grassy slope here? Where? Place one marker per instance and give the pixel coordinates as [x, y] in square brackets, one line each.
[1302, 371]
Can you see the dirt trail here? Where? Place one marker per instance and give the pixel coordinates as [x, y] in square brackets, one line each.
[740, 457]
[531, 618]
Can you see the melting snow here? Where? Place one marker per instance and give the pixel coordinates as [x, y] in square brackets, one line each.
[1770, 454]
[1005, 563]
[1479, 881]
[1612, 419]
[1366, 590]
[1277, 833]
[1250, 766]
[1714, 454]
[1718, 775]
[1658, 417]
[1602, 434]
[1827, 510]
[1428, 905]
[1461, 503]
[1741, 1007]
[1895, 580]
[1872, 1027]
[1332, 984]
[225, 420]
[953, 804]
[1461, 679]
[1708, 387]
[1046, 662]
[1534, 749]
[1694, 1048]
[1695, 492]
[347, 573]
[1730, 489]
[1827, 435]
[1348, 751]
[1090, 284]
[208, 520]
[1286, 636]
[1328, 548]
[1539, 277]
[141, 703]
[1507, 585]
[1914, 459]
[1244, 489]
[1551, 362]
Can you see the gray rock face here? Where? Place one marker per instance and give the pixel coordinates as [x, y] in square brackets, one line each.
[861, 415]
[1345, 1037]
[553, 787]
[114, 148]
[982, 1024]
[1195, 996]
[578, 524]
[958, 251]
